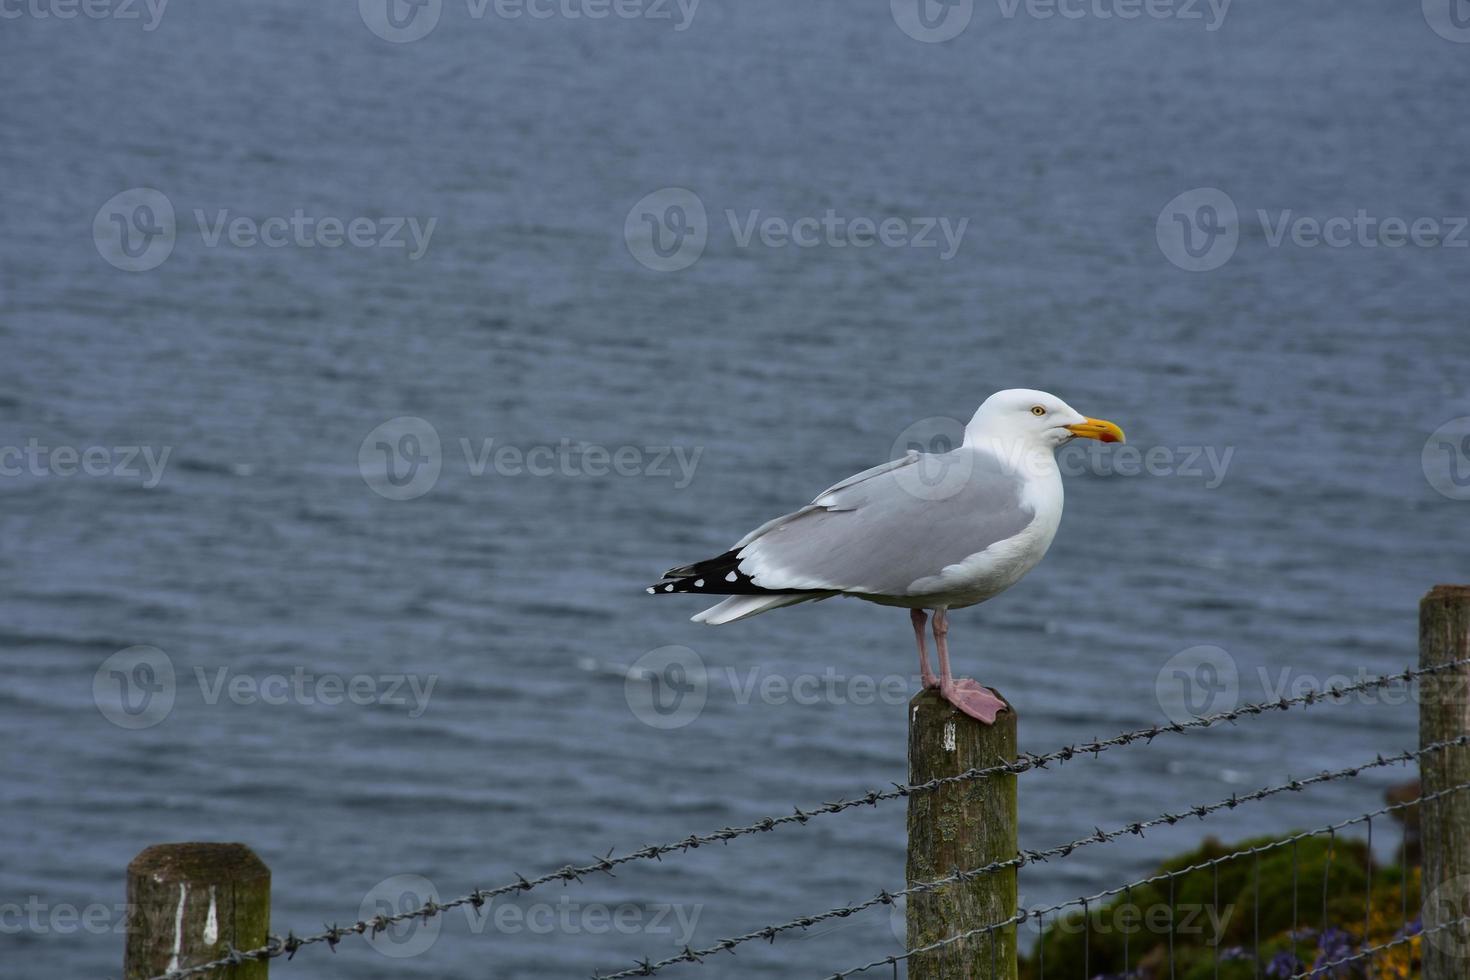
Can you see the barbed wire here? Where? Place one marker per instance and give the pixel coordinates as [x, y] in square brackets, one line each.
[1327, 969]
[1025, 857]
[288, 945]
[1039, 912]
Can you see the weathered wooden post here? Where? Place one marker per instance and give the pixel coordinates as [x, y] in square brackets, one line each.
[959, 826]
[1444, 714]
[190, 903]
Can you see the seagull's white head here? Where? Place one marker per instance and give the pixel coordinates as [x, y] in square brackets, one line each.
[1034, 419]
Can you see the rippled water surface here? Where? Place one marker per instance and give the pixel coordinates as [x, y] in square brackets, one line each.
[1314, 374]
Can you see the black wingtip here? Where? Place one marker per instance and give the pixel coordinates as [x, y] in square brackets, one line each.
[714, 576]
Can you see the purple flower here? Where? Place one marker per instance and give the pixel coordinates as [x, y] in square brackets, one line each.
[1334, 946]
[1284, 965]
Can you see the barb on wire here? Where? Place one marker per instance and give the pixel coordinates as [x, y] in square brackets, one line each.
[1040, 912]
[1026, 857]
[288, 945]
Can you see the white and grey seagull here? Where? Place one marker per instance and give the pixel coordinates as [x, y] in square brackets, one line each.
[927, 532]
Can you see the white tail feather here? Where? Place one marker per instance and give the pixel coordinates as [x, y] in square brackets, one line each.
[741, 606]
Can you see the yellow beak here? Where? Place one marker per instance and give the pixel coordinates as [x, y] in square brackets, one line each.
[1100, 429]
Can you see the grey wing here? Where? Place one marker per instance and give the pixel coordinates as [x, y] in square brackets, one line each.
[909, 459]
[884, 529]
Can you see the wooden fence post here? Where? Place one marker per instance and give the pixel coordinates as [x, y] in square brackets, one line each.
[960, 826]
[189, 903]
[1444, 713]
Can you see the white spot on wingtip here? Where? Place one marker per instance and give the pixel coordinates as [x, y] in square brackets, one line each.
[699, 583]
[650, 590]
[949, 733]
[668, 588]
[731, 577]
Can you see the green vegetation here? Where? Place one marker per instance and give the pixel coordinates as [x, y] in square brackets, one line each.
[1288, 909]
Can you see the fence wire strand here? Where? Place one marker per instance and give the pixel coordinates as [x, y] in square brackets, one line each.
[287, 946]
[1040, 913]
[1329, 969]
[1025, 857]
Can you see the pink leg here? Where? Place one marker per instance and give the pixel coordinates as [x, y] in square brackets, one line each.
[920, 619]
[978, 702]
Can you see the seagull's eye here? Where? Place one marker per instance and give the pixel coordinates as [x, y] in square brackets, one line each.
[1037, 410]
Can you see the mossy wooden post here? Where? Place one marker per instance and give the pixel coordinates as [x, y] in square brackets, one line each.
[955, 827]
[1444, 714]
[190, 903]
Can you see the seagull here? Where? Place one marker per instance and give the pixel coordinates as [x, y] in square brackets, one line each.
[930, 531]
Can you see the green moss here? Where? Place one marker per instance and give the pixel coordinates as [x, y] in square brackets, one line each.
[1262, 899]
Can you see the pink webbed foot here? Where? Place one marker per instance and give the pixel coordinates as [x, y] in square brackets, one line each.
[978, 702]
